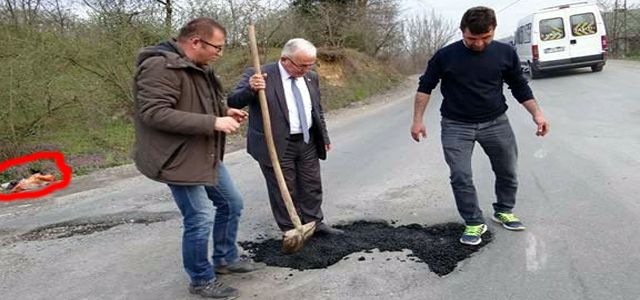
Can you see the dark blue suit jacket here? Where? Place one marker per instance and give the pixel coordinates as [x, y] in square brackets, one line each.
[243, 96]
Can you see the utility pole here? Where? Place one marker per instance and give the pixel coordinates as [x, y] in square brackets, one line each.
[614, 38]
[625, 49]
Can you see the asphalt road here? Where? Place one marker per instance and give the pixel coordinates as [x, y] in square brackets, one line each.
[578, 196]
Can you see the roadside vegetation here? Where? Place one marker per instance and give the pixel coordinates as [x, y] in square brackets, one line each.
[622, 20]
[67, 65]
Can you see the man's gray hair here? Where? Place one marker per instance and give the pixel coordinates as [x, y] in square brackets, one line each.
[298, 45]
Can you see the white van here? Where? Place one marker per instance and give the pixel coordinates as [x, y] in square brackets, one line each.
[562, 37]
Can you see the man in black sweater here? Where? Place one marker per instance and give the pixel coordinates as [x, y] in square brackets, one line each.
[472, 72]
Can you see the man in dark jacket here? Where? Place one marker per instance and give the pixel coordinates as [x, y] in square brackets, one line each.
[473, 110]
[181, 121]
[299, 130]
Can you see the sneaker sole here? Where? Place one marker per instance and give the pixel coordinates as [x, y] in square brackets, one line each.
[479, 240]
[507, 226]
[223, 298]
[228, 272]
[471, 244]
[223, 272]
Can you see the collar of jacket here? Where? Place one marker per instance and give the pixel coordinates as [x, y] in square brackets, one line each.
[174, 55]
[178, 60]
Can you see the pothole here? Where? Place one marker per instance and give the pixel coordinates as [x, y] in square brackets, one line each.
[436, 245]
[87, 226]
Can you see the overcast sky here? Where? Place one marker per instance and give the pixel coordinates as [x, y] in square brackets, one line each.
[508, 12]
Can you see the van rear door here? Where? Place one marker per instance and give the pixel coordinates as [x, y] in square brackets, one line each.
[553, 37]
[585, 40]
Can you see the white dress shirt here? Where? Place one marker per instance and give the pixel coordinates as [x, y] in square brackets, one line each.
[294, 119]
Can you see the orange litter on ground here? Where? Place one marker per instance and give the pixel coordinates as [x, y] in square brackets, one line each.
[35, 181]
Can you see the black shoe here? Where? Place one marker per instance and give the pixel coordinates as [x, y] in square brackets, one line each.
[323, 228]
[214, 289]
[242, 265]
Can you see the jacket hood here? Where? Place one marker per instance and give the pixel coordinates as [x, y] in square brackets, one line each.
[176, 59]
[169, 49]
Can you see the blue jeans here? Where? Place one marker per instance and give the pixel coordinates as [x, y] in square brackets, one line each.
[499, 143]
[200, 219]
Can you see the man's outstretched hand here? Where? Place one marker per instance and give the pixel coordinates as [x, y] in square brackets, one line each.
[543, 125]
[237, 114]
[418, 130]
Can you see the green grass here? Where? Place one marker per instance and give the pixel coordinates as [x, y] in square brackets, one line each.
[96, 132]
[8, 175]
[231, 66]
[86, 147]
[78, 102]
[634, 57]
[358, 88]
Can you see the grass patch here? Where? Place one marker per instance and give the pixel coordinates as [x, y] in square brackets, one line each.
[357, 89]
[86, 148]
[352, 77]
[95, 131]
[635, 57]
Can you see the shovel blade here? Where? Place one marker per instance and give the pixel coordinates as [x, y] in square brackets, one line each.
[295, 239]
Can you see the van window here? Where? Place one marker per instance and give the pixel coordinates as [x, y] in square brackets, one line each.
[527, 33]
[551, 29]
[583, 24]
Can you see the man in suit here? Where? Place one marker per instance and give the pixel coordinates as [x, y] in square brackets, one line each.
[299, 130]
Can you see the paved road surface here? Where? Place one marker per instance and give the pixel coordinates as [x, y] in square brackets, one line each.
[578, 195]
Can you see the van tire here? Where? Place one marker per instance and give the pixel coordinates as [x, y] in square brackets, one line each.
[597, 68]
[533, 73]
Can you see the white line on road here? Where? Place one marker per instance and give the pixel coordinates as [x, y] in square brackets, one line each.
[536, 254]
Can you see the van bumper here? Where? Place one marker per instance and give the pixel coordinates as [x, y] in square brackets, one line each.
[571, 63]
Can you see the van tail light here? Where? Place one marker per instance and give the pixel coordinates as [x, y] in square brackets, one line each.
[605, 46]
[535, 52]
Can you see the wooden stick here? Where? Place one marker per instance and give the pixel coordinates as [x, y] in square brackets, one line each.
[268, 135]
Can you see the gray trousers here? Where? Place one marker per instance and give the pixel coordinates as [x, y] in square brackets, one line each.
[301, 169]
[499, 143]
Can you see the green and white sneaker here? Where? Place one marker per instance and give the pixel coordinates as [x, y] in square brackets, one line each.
[472, 234]
[508, 221]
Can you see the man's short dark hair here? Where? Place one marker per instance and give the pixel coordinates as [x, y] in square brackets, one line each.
[201, 27]
[478, 20]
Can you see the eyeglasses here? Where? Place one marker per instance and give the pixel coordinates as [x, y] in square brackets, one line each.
[218, 47]
[301, 66]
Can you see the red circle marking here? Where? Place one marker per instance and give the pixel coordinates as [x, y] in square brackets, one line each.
[58, 157]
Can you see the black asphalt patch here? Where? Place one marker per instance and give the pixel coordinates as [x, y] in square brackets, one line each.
[436, 245]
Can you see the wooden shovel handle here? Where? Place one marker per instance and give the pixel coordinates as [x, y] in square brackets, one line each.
[268, 135]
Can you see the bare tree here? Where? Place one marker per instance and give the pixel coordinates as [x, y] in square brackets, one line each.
[234, 41]
[168, 15]
[382, 20]
[622, 21]
[235, 15]
[30, 9]
[370, 26]
[334, 18]
[23, 11]
[424, 35]
[60, 15]
[10, 7]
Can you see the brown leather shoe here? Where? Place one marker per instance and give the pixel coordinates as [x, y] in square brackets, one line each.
[322, 228]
